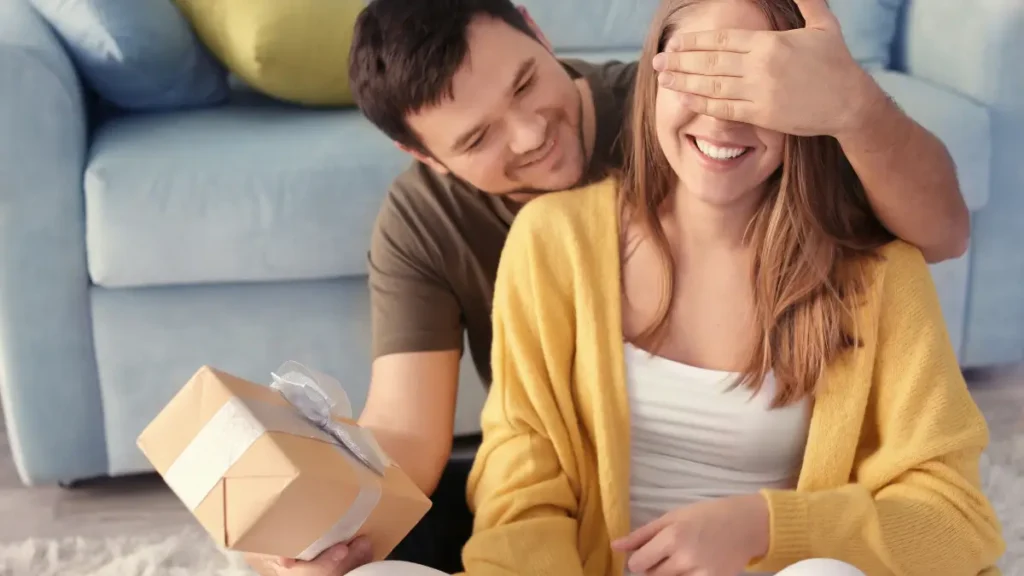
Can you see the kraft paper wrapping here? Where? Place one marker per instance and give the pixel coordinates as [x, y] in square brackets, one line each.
[279, 470]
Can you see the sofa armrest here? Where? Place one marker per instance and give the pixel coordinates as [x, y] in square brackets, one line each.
[48, 379]
[976, 48]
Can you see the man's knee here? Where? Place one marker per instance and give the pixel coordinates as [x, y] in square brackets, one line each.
[821, 567]
[394, 568]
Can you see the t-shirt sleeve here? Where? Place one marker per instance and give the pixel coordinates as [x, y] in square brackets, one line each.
[619, 76]
[616, 75]
[413, 307]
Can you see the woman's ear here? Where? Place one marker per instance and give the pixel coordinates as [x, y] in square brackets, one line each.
[536, 29]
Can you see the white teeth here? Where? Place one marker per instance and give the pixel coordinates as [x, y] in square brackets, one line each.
[718, 152]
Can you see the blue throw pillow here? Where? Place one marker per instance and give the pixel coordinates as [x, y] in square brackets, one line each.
[138, 54]
[869, 27]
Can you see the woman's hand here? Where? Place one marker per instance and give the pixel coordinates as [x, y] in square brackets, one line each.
[713, 538]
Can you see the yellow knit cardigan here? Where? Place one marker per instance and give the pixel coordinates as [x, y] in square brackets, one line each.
[890, 479]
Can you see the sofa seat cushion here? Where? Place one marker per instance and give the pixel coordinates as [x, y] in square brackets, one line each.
[253, 192]
[149, 342]
[960, 123]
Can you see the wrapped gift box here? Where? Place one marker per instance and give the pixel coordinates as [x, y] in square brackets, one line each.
[279, 469]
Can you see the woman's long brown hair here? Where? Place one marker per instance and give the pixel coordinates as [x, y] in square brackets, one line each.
[812, 234]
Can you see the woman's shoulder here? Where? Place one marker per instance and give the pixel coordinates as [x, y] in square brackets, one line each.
[902, 283]
[580, 213]
[901, 263]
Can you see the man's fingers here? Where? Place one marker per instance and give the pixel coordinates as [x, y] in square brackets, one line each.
[333, 556]
[285, 562]
[718, 40]
[360, 552]
[721, 87]
[711, 63]
[339, 559]
[345, 556]
[735, 110]
[263, 565]
[817, 14]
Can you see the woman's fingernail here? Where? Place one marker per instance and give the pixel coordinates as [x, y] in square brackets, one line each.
[340, 553]
[665, 79]
[659, 61]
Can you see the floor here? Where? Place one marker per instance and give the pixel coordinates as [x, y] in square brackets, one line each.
[143, 504]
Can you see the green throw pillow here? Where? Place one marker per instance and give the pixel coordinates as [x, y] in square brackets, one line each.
[294, 50]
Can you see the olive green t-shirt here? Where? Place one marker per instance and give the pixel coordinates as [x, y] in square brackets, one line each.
[437, 241]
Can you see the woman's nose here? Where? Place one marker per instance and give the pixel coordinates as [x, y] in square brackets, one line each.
[719, 124]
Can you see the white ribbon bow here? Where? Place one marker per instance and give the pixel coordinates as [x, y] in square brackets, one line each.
[319, 399]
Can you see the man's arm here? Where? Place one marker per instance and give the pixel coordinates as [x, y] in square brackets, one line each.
[805, 82]
[417, 337]
[909, 177]
[411, 411]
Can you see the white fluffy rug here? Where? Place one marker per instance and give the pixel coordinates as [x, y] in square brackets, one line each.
[191, 552]
[1002, 471]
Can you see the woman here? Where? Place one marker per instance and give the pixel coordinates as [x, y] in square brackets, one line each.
[720, 361]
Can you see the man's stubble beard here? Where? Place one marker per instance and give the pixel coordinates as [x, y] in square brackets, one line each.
[523, 195]
[514, 199]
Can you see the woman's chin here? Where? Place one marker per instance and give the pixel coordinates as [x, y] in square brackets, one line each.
[721, 194]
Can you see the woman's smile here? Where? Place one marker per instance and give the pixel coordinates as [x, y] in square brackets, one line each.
[716, 155]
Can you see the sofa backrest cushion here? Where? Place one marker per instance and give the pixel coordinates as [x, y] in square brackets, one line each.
[869, 28]
[593, 25]
[137, 54]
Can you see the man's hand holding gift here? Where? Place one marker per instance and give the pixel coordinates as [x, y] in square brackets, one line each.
[337, 560]
[282, 472]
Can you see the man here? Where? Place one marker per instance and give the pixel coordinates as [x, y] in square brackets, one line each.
[471, 89]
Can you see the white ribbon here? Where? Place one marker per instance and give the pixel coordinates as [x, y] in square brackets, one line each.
[316, 399]
[320, 399]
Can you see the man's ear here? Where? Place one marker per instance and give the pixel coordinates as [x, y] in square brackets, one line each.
[430, 161]
[536, 29]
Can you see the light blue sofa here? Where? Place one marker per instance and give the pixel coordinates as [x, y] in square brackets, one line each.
[134, 250]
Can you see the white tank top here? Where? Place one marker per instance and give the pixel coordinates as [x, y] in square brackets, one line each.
[694, 439]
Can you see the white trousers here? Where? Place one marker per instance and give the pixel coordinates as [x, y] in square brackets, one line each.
[815, 567]
[821, 567]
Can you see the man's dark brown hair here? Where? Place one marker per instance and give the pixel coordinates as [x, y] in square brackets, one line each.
[405, 53]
